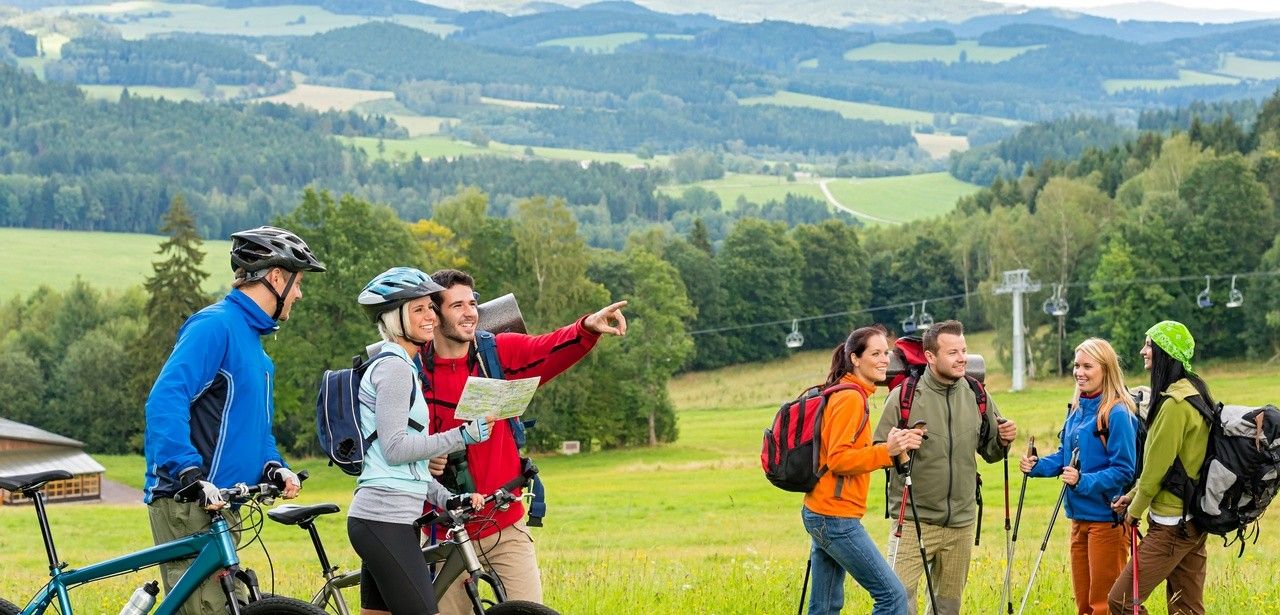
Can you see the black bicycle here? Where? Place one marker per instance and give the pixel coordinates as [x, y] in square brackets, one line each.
[451, 558]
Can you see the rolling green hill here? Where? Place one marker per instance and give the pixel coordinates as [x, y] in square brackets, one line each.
[105, 260]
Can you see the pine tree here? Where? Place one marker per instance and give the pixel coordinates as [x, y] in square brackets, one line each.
[173, 294]
[699, 237]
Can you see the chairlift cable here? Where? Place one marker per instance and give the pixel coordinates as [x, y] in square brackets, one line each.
[911, 304]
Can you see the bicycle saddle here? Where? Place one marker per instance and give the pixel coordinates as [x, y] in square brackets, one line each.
[292, 514]
[31, 482]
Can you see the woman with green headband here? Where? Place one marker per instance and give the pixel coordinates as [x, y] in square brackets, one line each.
[1177, 436]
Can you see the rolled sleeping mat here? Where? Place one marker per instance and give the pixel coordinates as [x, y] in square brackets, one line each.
[976, 366]
[501, 315]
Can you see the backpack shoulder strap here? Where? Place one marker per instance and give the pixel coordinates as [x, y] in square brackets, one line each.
[979, 392]
[907, 396]
[866, 416]
[487, 349]
[413, 395]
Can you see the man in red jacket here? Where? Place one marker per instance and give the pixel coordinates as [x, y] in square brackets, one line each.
[447, 362]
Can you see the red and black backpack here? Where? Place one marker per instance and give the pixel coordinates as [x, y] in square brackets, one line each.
[789, 455]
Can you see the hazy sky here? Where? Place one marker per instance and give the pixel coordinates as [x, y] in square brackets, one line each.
[1262, 6]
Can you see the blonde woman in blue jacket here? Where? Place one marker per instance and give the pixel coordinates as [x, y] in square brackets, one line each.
[1101, 426]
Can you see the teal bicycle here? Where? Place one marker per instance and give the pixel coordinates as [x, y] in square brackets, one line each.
[213, 549]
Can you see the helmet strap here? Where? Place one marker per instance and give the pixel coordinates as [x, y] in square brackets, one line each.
[404, 325]
[288, 286]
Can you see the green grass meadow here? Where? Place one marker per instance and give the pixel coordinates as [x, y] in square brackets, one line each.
[1185, 78]
[1248, 68]
[857, 110]
[104, 260]
[435, 146]
[896, 199]
[601, 43]
[687, 527]
[902, 52]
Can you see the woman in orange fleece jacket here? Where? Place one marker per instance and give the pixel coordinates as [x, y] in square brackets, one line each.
[833, 511]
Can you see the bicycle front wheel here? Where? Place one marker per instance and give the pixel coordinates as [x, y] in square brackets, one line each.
[279, 605]
[8, 608]
[520, 607]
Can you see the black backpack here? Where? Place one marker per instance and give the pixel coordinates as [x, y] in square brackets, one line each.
[338, 415]
[1240, 474]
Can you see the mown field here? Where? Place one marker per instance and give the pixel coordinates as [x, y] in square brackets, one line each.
[896, 199]
[855, 110]
[688, 527]
[1248, 68]
[1185, 78]
[284, 20]
[601, 43]
[435, 146]
[112, 93]
[902, 52]
[105, 260]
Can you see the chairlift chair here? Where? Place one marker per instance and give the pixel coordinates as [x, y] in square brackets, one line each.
[1060, 307]
[1236, 298]
[795, 339]
[909, 325]
[926, 320]
[1203, 300]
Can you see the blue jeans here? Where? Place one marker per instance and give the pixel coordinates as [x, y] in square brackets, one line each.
[841, 544]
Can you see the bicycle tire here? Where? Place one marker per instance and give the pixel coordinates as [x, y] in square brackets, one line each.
[280, 605]
[521, 607]
[8, 608]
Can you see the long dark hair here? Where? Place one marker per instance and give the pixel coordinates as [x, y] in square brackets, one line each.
[854, 345]
[1166, 370]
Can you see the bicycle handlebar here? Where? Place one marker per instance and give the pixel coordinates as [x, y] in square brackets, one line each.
[238, 493]
[502, 495]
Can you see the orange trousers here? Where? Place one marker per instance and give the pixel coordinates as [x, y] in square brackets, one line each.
[1099, 551]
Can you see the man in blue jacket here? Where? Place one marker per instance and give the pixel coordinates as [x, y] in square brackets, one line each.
[208, 417]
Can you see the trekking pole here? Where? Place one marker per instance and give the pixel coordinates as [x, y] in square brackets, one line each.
[1008, 565]
[897, 528]
[1062, 495]
[804, 587]
[1133, 554]
[915, 518]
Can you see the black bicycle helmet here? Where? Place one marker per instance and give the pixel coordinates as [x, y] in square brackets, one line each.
[393, 288]
[257, 250]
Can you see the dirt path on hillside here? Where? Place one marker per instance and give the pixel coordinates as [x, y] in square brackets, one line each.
[831, 198]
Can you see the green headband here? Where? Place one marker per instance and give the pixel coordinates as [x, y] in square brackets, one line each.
[1174, 338]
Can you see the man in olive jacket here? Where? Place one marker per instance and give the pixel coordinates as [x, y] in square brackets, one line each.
[945, 469]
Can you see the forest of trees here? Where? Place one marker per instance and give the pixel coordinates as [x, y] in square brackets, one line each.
[173, 62]
[1129, 231]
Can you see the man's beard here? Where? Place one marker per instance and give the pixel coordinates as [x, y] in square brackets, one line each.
[452, 332]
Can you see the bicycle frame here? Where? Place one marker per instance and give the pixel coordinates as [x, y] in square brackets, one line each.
[452, 556]
[213, 550]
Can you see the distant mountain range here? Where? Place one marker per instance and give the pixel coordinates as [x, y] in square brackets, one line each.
[1159, 11]
[904, 14]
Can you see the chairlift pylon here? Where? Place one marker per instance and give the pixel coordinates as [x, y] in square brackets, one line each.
[926, 320]
[1203, 300]
[1236, 298]
[909, 325]
[795, 339]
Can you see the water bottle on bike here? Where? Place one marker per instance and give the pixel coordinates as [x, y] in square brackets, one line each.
[142, 600]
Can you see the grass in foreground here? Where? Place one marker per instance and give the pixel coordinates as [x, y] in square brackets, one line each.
[105, 260]
[684, 527]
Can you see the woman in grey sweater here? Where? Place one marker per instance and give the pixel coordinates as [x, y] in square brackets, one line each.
[395, 481]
